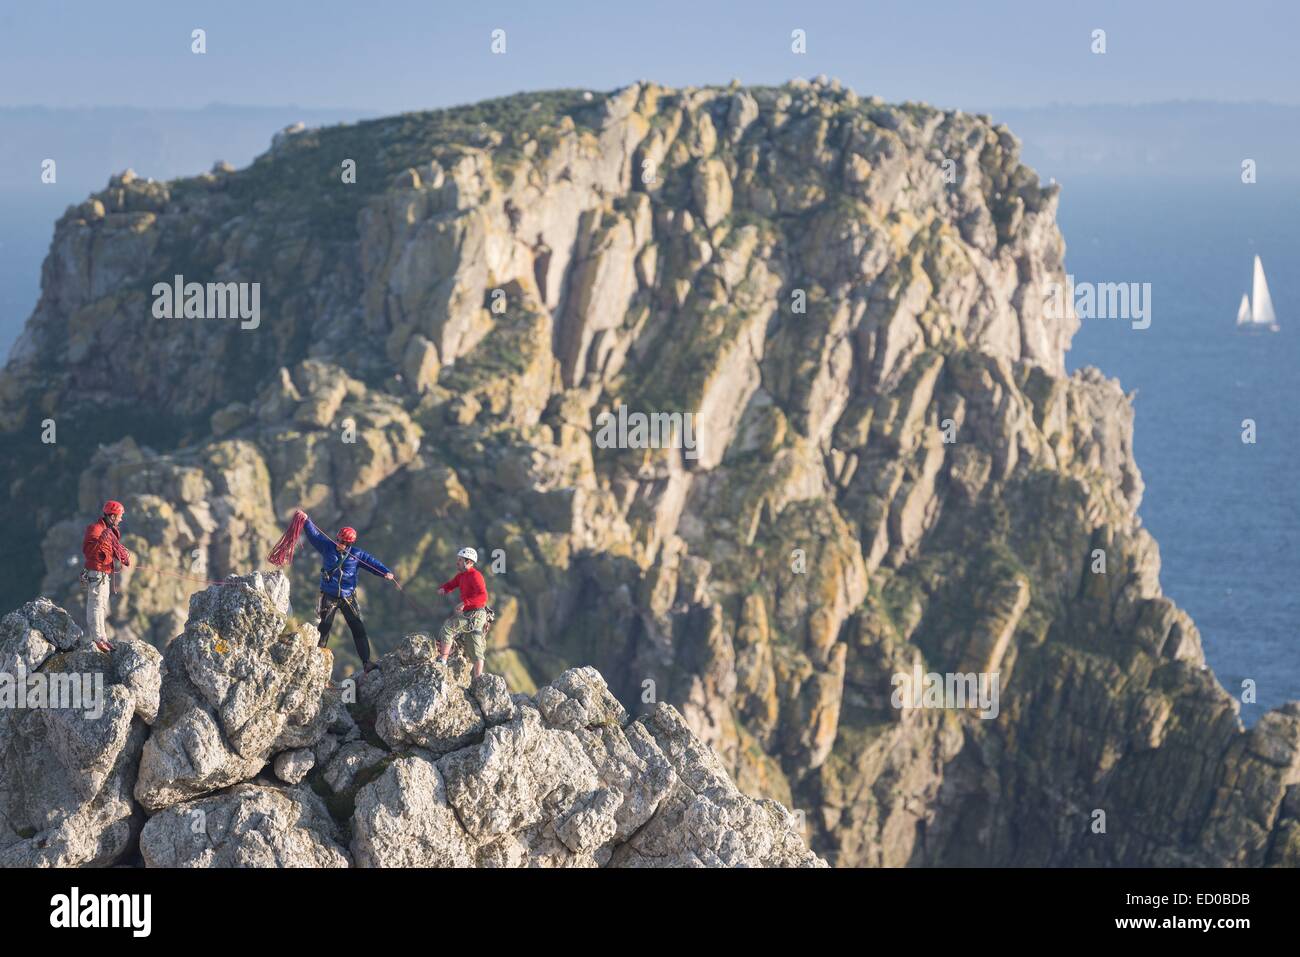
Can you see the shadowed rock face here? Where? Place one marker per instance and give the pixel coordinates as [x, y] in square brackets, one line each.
[892, 472]
[253, 761]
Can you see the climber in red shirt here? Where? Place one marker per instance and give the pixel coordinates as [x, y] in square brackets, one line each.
[102, 546]
[471, 616]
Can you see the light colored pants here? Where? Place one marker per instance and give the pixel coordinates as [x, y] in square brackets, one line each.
[468, 627]
[97, 592]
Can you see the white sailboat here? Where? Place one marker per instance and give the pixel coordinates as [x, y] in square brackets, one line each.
[1256, 310]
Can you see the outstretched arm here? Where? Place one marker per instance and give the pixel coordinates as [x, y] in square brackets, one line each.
[372, 564]
[323, 543]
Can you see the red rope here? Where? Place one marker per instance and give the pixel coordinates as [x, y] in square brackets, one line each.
[282, 551]
[418, 606]
[188, 578]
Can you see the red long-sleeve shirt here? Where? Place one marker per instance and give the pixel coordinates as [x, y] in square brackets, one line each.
[473, 591]
[101, 545]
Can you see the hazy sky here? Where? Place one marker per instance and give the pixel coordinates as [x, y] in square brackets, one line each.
[399, 55]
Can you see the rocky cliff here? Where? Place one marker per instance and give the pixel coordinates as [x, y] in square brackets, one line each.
[893, 471]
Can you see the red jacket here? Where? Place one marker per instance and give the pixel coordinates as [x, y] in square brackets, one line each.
[101, 545]
[472, 590]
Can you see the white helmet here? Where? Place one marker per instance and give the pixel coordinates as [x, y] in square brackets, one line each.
[468, 554]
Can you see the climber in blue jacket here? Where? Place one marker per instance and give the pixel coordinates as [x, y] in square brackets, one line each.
[338, 584]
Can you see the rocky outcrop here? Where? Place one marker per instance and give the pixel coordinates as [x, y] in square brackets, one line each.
[562, 779]
[253, 762]
[73, 723]
[238, 688]
[570, 781]
[867, 460]
[418, 703]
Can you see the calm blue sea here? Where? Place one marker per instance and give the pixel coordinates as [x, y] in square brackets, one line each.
[1226, 514]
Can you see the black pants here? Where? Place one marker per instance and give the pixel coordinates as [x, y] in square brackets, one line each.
[329, 604]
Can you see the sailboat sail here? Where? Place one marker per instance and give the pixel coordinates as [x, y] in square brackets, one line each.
[1243, 311]
[1261, 301]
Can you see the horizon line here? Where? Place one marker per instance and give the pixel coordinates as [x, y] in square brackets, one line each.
[395, 111]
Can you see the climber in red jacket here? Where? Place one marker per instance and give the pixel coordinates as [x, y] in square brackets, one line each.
[102, 546]
[471, 617]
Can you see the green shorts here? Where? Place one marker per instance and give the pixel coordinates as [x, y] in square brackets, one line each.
[470, 624]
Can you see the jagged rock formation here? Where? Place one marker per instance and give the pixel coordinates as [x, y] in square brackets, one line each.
[892, 469]
[253, 760]
[238, 687]
[66, 772]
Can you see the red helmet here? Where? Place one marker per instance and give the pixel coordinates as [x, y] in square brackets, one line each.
[113, 508]
[347, 535]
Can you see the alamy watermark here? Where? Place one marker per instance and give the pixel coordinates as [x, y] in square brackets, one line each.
[975, 690]
[1106, 300]
[57, 690]
[214, 300]
[73, 910]
[642, 430]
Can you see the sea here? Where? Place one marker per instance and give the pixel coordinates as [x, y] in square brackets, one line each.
[1225, 511]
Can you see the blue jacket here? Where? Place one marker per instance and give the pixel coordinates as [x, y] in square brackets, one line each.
[338, 573]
